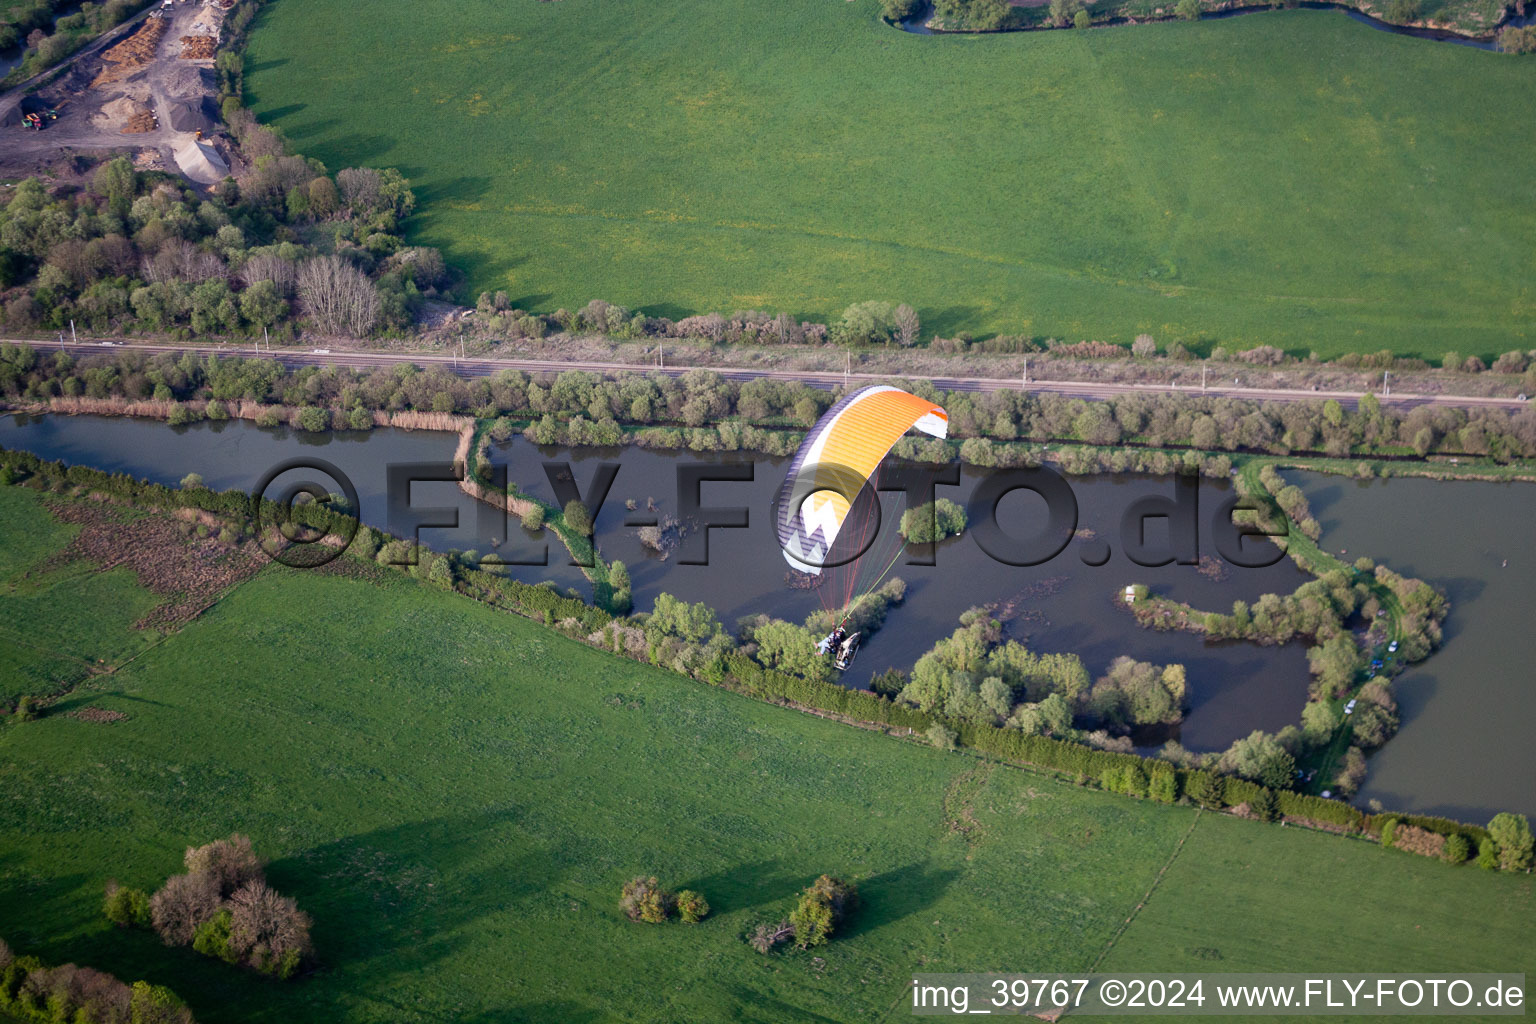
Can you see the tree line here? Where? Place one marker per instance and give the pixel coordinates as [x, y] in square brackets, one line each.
[33, 992]
[576, 407]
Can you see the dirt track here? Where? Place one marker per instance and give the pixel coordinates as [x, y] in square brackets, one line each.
[92, 118]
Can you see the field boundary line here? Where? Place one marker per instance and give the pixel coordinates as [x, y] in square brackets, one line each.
[1156, 881]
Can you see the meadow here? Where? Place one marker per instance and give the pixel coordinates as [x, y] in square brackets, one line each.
[456, 795]
[1289, 178]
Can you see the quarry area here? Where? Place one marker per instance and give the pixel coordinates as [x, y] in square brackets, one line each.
[147, 89]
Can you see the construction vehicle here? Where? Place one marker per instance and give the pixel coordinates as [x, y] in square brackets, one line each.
[33, 121]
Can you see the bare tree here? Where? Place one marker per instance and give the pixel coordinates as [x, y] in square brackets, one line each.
[232, 863]
[185, 902]
[362, 188]
[908, 326]
[263, 920]
[268, 266]
[339, 296]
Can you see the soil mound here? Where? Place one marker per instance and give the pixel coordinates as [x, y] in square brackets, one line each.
[126, 115]
[194, 115]
[201, 162]
[188, 80]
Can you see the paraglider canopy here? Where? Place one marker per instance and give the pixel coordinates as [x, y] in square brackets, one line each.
[834, 465]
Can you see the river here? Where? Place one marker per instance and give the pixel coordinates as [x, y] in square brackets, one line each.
[1461, 750]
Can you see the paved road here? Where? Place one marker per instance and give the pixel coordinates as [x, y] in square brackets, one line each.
[485, 367]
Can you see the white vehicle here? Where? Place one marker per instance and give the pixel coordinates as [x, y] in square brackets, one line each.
[1392, 647]
[319, 351]
[1349, 708]
[107, 344]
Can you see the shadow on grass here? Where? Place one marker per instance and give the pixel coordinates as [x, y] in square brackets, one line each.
[748, 886]
[278, 113]
[896, 894]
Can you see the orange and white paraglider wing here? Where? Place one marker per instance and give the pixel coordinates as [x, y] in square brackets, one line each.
[834, 461]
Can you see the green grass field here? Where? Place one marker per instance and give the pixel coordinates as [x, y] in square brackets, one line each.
[1289, 178]
[60, 625]
[456, 795]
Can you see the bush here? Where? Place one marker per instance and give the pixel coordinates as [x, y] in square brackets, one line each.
[578, 517]
[643, 899]
[1457, 849]
[212, 938]
[26, 709]
[1512, 834]
[533, 519]
[1488, 855]
[932, 522]
[1263, 805]
[941, 736]
[692, 907]
[821, 909]
[125, 907]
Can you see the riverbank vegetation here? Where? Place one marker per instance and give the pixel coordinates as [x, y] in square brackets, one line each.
[1124, 239]
[372, 853]
[705, 411]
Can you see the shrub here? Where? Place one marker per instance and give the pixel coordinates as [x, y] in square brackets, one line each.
[1204, 788]
[578, 517]
[1457, 849]
[1488, 855]
[643, 899]
[941, 736]
[533, 519]
[822, 907]
[26, 709]
[267, 931]
[1512, 834]
[231, 863]
[1388, 831]
[212, 938]
[932, 522]
[692, 907]
[1263, 805]
[125, 907]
